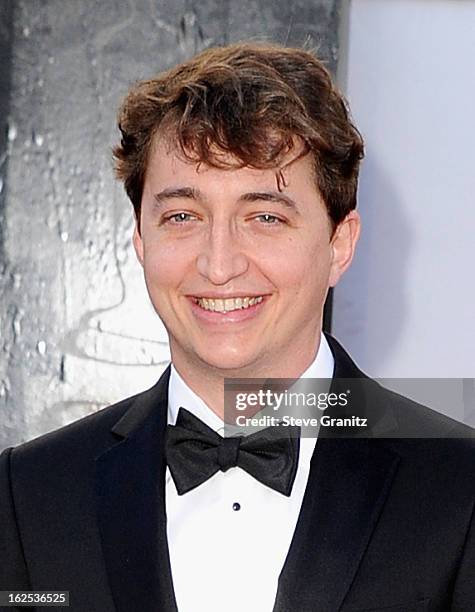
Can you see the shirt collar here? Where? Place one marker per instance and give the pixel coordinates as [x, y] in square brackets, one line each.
[180, 394]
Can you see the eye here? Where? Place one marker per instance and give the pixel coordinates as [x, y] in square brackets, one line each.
[179, 218]
[269, 219]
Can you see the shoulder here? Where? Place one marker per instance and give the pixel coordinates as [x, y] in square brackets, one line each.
[86, 434]
[436, 453]
[57, 459]
[412, 419]
[434, 442]
[381, 401]
[418, 434]
[70, 447]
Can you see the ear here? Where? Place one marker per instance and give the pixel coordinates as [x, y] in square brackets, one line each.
[138, 243]
[343, 244]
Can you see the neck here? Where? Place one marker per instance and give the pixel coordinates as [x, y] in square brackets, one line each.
[208, 382]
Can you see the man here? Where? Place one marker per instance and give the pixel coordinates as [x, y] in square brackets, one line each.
[242, 167]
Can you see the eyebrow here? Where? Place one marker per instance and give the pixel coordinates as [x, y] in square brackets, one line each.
[177, 192]
[192, 193]
[269, 196]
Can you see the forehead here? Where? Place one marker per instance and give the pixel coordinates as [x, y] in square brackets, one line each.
[167, 162]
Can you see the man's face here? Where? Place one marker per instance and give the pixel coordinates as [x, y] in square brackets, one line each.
[237, 270]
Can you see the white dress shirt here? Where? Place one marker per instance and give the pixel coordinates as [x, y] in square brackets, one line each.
[229, 538]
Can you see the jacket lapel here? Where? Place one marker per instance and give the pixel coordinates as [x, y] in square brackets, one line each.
[130, 479]
[348, 483]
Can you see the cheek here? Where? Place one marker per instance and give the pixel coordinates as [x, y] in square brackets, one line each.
[300, 267]
[165, 264]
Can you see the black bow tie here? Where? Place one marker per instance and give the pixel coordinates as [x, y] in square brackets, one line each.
[195, 452]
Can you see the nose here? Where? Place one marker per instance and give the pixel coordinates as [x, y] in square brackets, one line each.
[221, 258]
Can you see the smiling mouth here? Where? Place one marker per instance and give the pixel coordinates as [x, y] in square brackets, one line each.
[228, 304]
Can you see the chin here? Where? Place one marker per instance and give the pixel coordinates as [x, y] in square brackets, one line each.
[228, 360]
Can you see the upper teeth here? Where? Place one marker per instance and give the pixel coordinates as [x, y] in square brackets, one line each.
[219, 305]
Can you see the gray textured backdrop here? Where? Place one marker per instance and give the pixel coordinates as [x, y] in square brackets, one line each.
[76, 328]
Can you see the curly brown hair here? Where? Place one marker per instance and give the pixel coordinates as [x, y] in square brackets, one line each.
[249, 103]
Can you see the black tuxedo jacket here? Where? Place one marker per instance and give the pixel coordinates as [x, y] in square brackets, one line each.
[386, 524]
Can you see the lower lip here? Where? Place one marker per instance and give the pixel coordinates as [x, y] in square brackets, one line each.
[234, 316]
